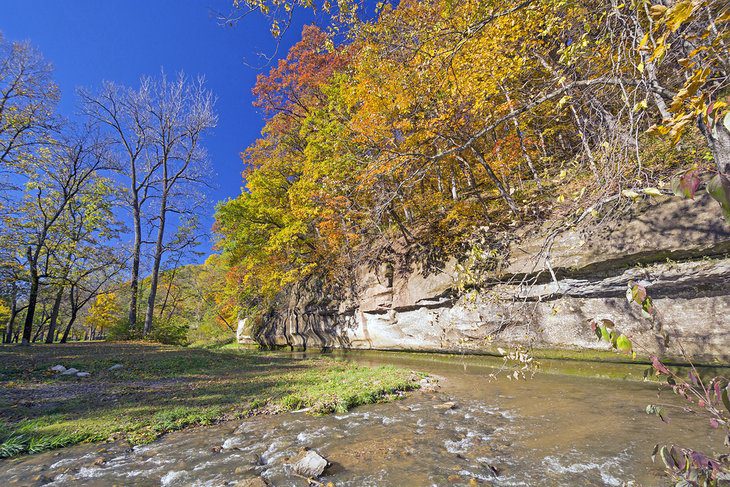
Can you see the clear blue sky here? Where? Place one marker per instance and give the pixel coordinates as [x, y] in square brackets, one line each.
[93, 40]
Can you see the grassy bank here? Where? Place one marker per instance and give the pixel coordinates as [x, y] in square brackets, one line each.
[164, 388]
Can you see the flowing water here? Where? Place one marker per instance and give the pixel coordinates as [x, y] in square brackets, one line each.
[550, 430]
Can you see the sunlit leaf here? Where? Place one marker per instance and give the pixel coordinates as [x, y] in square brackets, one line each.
[685, 186]
[652, 191]
[719, 189]
[623, 343]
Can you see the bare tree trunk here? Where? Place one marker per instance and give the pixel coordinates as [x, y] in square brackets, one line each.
[54, 316]
[149, 315]
[136, 251]
[505, 195]
[39, 331]
[8, 335]
[70, 324]
[719, 144]
[32, 299]
[74, 312]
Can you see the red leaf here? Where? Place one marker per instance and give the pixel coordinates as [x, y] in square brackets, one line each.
[658, 366]
[686, 185]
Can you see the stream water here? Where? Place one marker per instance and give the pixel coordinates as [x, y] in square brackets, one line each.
[550, 430]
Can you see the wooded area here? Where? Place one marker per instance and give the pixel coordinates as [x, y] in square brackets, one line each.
[71, 190]
[442, 128]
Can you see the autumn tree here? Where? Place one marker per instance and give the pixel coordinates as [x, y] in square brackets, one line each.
[408, 136]
[56, 175]
[103, 312]
[28, 97]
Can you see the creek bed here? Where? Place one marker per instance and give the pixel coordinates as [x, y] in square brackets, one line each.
[550, 430]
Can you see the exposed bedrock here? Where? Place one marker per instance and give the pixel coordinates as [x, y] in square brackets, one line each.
[552, 284]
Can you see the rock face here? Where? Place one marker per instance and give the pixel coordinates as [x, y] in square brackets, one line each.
[552, 284]
[243, 333]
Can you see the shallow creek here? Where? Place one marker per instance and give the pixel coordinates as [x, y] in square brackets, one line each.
[550, 430]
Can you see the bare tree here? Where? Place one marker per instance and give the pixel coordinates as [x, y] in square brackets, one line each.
[158, 129]
[181, 114]
[123, 112]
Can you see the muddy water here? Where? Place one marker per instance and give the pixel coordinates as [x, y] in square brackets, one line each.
[551, 430]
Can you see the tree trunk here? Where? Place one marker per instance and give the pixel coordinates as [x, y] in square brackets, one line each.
[32, 300]
[505, 195]
[8, 335]
[719, 142]
[136, 251]
[74, 312]
[156, 265]
[54, 316]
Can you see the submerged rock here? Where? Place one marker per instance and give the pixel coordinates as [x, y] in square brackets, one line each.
[446, 406]
[253, 482]
[58, 368]
[70, 371]
[83, 374]
[309, 464]
[116, 367]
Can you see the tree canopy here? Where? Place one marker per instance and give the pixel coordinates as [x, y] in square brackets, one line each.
[440, 120]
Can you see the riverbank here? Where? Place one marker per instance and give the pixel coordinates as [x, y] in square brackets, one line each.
[159, 389]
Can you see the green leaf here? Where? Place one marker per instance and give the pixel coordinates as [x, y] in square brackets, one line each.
[604, 333]
[614, 338]
[725, 399]
[623, 343]
[719, 189]
[647, 307]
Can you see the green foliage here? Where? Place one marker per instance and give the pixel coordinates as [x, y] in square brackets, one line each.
[719, 189]
[170, 332]
[4, 312]
[636, 293]
[605, 330]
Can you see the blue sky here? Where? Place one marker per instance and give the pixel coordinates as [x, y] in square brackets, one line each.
[93, 40]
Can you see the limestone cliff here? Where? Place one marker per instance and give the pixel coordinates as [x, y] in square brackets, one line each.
[544, 294]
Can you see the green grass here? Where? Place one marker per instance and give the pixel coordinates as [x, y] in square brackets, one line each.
[165, 388]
